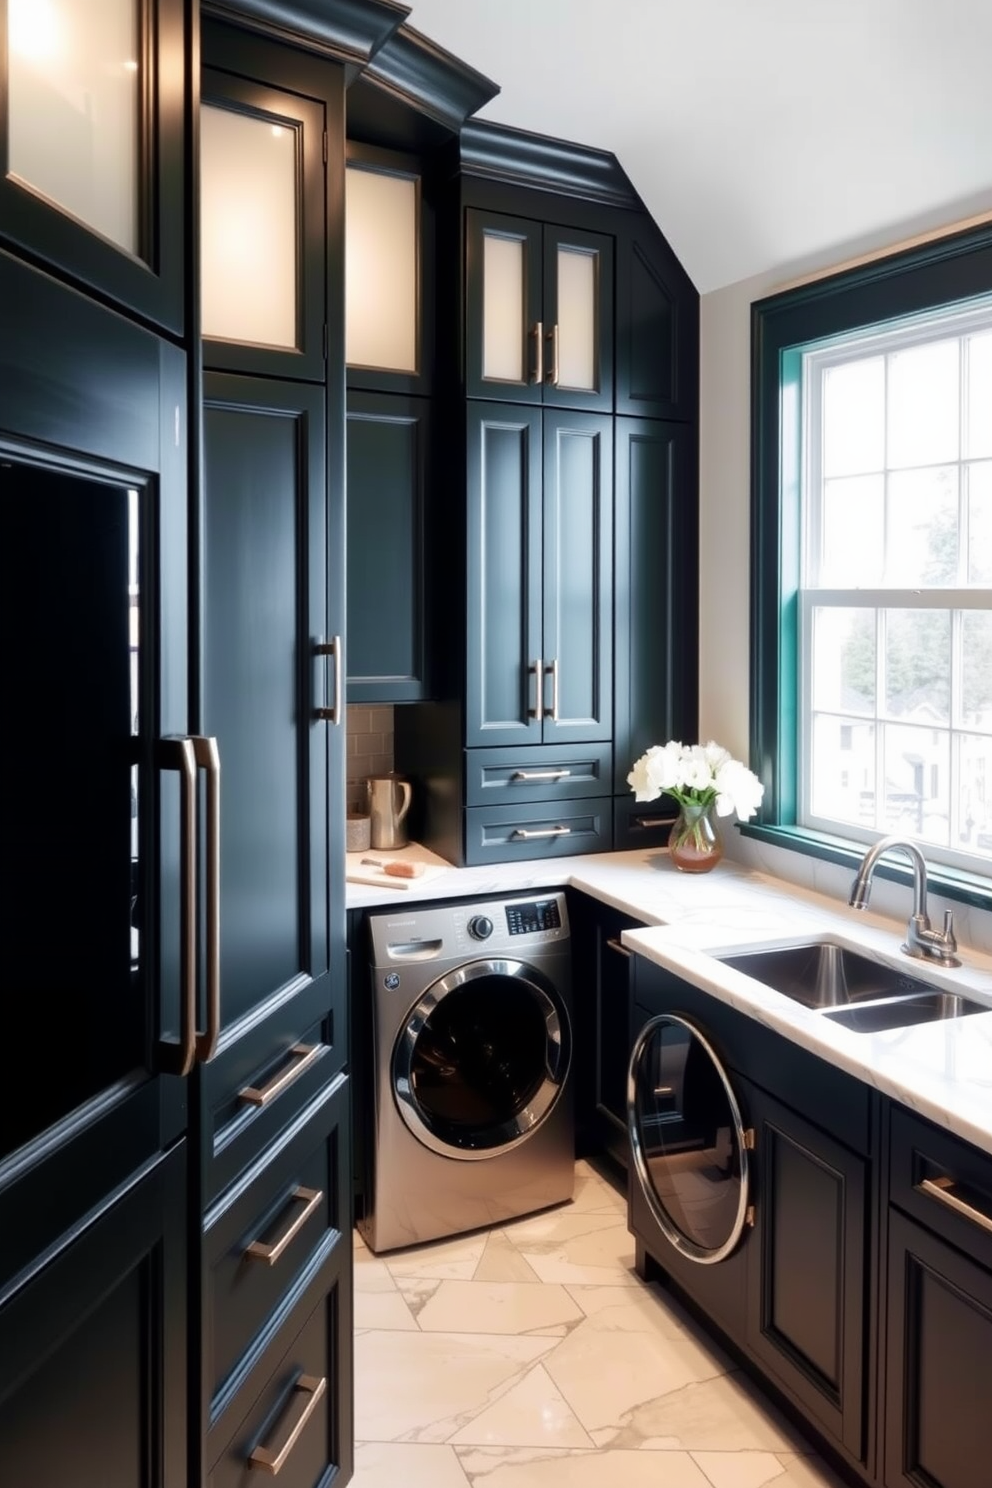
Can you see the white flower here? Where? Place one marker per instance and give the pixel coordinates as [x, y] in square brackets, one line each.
[697, 775]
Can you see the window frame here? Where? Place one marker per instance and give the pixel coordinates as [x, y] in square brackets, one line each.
[944, 272]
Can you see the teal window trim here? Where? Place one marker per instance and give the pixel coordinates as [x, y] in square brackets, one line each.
[947, 271]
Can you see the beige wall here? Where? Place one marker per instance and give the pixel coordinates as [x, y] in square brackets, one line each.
[724, 515]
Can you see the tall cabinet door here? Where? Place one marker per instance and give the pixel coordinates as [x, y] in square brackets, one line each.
[267, 684]
[578, 576]
[504, 640]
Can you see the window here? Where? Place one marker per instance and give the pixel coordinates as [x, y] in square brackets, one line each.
[872, 560]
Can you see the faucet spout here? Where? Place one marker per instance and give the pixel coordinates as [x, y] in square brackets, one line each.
[921, 939]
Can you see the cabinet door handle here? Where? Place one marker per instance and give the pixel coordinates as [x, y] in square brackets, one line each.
[537, 335]
[259, 1251]
[303, 1055]
[541, 774]
[552, 373]
[941, 1189]
[331, 648]
[551, 670]
[306, 1396]
[537, 712]
[655, 821]
[177, 754]
[621, 950]
[207, 757]
[547, 832]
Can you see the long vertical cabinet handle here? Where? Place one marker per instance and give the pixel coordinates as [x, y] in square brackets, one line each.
[551, 376]
[537, 712]
[551, 670]
[207, 757]
[537, 371]
[177, 754]
[332, 648]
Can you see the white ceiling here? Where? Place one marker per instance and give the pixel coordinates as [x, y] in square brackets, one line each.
[759, 133]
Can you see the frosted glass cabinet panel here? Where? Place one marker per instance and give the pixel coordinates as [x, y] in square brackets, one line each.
[248, 228]
[382, 270]
[577, 293]
[74, 109]
[502, 308]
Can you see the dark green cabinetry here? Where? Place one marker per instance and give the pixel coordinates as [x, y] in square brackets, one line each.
[657, 332]
[388, 454]
[603, 1038]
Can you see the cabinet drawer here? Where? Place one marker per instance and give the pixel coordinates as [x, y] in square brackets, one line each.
[294, 1426]
[943, 1182]
[504, 777]
[263, 1232]
[542, 829]
[641, 824]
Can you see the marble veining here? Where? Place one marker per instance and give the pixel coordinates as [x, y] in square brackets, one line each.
[473, 1372]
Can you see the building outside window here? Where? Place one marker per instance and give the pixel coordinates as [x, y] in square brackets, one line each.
[872, 559]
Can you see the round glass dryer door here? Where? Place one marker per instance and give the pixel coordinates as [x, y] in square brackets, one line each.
[687, 1140]
[482, 1058]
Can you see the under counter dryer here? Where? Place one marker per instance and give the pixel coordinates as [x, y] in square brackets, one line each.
[472, 1053]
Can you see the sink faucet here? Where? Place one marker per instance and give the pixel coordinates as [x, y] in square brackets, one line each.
[921, 939]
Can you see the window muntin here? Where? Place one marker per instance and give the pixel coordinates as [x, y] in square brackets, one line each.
[895, 612]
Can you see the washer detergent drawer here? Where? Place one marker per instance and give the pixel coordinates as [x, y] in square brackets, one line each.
[507, 777]
[540, 829]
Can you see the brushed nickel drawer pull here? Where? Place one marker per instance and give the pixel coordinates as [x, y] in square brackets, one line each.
[614, 945]
[941, 1190]
[540, 774]
[655, 821]
[307, 1393]
[259, 1251]
[549, 832]
[303, 1055]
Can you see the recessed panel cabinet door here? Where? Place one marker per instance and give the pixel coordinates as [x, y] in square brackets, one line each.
[262, 615]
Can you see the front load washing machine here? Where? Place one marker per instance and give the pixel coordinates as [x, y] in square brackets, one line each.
[472, 1047]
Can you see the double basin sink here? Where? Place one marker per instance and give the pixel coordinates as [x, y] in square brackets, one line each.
[850, 988]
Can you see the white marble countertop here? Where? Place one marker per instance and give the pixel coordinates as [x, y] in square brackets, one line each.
[942, 1069]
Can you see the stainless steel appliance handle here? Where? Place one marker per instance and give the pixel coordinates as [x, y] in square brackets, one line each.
[537, 370]
[547, 832]
[177, 754]
[332, 648]
[537, 712]
[941, 1189]
[540, 774]
[207, 757]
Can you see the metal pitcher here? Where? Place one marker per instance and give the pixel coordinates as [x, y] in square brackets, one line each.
[389, 802]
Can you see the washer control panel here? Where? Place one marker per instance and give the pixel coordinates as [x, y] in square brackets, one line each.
[533, 916]
[462, 929]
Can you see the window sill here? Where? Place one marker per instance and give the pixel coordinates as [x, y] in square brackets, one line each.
[952, 883]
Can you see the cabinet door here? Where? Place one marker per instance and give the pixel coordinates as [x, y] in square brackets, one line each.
[504, 331]
[603, 1035]
[504, 640]
[938, 1344]
[93, 598]
[656, 586]
[657, 358]
[92, 176]
[263, 608]
[388, 443]
[93, 1350]
[806, 1287]
[578, 319]
[262, 227]
[578, 577]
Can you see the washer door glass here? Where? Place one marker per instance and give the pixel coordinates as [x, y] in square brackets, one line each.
[482, 1058]
[687, 1139]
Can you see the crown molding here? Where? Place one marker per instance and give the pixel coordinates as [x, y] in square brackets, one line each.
[499, 153]
[350, 31]
[415, 71]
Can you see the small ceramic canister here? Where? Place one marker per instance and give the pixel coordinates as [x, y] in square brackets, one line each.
[358, 832]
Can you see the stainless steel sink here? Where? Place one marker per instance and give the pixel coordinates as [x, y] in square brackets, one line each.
[820, 975]
[850, 988]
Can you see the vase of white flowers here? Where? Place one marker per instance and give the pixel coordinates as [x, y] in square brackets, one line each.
[706, 783]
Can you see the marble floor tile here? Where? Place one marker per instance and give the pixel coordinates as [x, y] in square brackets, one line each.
[726, 1414]
[502, 1261]
[383, 1310]
[596, 1250]
[427, 1386]
[493, 1468]
[763, 1469]
[532, 1413]
[443, 1261]
[407, 1465]
[496, 1307]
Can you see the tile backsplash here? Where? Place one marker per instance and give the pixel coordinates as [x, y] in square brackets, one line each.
[370, 749]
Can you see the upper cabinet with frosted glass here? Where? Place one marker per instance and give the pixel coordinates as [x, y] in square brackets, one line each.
[539, 313]
[92, 107]
[389, 272]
